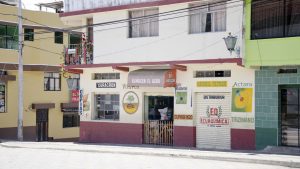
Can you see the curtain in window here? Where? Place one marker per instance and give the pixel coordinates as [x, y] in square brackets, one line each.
[197, 18]
[135, 24]
[153, 22]
[267, 19]
[292, 18]
[219, 17]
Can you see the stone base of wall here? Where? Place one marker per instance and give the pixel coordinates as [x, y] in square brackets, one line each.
[184, 136]
[242, 139]
[116, 133]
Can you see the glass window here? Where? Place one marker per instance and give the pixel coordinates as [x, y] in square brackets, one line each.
[275, 19]
[209, 18]
[59, 37]
[71, 120]
[28, 34]
[143, 27]
[107, 107]
[52, 82]
[8, 37]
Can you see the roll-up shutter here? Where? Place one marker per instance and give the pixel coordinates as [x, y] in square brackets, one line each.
[213, 120]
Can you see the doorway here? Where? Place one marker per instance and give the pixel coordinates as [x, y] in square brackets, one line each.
[42, 124]
[158, 126]
[290, 118]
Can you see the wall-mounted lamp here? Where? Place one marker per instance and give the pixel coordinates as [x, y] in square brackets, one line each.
[230, 42]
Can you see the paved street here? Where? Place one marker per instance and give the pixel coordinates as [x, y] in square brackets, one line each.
[25, 158]
[15, 155]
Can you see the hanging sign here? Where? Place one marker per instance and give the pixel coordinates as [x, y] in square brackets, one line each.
[130, 102]
[75, 96]
[80, 107]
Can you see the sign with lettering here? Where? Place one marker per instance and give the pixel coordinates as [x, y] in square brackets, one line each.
[106, 85]
[214, 117]
[212, 84]
[80, 107]
[75, 96]
[2, 97]
[242, 100]
[183, 117]
[130, 102]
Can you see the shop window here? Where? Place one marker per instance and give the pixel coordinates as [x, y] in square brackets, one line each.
[275, 19]
[159, 107]
[107, 107]
[209, 18]
[59, 37]
[143, 26]
[218, 73]
[101, 76]
[2, 97]
[71, 120]
[8, 37]
[28, 34]
[52, 81]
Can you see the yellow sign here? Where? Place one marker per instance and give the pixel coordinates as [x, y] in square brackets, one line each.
[212, 84]
[130, 102]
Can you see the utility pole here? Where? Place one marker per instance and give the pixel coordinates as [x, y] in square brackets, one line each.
[20, 74]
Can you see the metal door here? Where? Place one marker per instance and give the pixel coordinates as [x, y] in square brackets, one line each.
[42, 124]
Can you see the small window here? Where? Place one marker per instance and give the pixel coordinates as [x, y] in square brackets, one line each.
[107, 107]
[282, 71]
[218, 73]
[59, 37]
[71, 120]
[207, 18]
[102, 76]
[52, 81]
[28, 34]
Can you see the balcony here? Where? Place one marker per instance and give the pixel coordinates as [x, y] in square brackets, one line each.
[78, 5]
[77, 54]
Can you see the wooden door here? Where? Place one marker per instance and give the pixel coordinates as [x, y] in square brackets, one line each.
[42, 125]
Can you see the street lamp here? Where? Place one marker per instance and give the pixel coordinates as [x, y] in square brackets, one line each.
[71, 83]
[230, 42]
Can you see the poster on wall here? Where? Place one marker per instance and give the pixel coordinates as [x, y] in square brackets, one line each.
[130, 102]
[181, 97]
[2, 98]
[242, 100]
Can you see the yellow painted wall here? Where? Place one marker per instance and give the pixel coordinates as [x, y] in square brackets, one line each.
[34, 80]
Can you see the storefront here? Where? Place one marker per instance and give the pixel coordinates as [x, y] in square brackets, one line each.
[277, 106]
[204, 105]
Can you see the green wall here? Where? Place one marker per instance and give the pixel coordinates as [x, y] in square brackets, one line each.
[269, 52]
[267, 103]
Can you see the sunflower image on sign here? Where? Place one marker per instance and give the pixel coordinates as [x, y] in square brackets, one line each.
[242, 99]
[130, 102]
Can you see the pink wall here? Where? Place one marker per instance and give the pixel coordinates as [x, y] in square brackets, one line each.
[242, 139]
[116, 133]
[184, 136]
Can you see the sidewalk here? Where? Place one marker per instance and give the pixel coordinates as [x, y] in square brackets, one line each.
[257, 157]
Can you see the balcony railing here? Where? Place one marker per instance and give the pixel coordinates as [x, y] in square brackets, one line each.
[77, 54]
[77, 5]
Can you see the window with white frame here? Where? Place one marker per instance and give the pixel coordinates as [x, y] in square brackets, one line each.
[207, 18]
[107, 106]
[52, 81]
[143, 26]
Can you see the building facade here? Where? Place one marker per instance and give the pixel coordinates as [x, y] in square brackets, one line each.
[272, 49]
[161, 74]
[47, 100]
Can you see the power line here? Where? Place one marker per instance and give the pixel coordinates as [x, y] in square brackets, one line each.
[171, 12]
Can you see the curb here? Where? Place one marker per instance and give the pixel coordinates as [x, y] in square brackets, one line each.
[291, 163]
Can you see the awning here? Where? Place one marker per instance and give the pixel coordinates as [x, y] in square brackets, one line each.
[152, 78]
[69, 107]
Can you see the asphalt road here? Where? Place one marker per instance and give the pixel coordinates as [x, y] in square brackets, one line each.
[27, 158]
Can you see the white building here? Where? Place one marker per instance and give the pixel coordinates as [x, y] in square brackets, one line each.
[160, 73]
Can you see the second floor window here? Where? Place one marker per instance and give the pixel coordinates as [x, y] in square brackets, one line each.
[143, 26]
[275, 19]
[207, 18]
[59, 37]
[52, 81]
[8, 37]
[28, 34]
